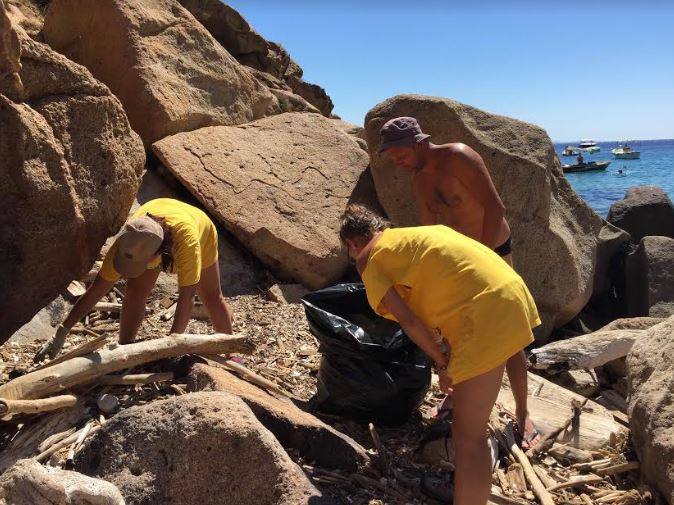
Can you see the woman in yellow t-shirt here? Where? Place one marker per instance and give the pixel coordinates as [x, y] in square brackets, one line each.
[462, 305]
[162, 235]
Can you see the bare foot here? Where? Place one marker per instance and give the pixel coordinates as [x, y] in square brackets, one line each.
[530, 436]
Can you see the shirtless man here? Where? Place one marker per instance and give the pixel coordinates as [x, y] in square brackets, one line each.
[452, 186]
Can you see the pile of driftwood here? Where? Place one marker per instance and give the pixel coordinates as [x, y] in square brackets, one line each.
[93, 370]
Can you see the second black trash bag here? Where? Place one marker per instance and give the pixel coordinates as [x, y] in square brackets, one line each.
[370, 370]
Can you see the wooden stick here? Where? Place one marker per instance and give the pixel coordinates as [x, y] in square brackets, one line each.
[586, 499]
[621, 468]
[576, 481]
[84, 369]
[83, 434]
[544, 476]
[548, 439]
[499, 498]
[168, 313]
[539, 490]
[585, 352]
[13, 407]
[56, 437]
[132, 379]
[249, 375]
[81, 350]
[64, 443]
[108, 307]
[383, 460]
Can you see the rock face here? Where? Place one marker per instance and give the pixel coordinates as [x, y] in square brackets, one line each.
[70, 168]
[294, 428]
[193, 449]
[651, 405]
[251, 49]
[278, 184]
[550, 224]
[167, 70]
[645, 210]
[10, 54]
[30, 483]
[650, 278]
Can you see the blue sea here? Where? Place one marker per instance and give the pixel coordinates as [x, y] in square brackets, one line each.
[601, 189]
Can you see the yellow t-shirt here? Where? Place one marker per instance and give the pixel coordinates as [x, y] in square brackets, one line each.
[458, 286]
[195, 241]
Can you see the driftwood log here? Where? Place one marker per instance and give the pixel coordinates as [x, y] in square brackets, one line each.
[133, 379]
[87, 368]
[81, 350]
[13, 407]
[584, 352]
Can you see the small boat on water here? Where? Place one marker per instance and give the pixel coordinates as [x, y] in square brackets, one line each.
[589, 146]
[589, 166]
[570, 151]
[625, 153]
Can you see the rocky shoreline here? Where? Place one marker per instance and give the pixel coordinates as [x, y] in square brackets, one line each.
[104, 105]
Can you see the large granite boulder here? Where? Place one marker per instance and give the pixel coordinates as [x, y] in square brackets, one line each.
[167, 70]
[251, 49]
[555, 234]
[650, 278]
[279, 185]
[195, 449]
[10, 53]
[645, 210]
[651, 405]
[30, 483]
[70, 169]
[295, 429]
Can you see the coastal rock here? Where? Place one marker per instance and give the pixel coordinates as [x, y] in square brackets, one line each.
[27, 15]
[651, 405]
[650, 278]
[644, 211]
[294, 428]
[632, 323]
[611, 241]
[279, 185]
[234, 33]
[192, 449]
[166, 69]
[10, 54]
[70, 169]
[30, 483]
[555, 234]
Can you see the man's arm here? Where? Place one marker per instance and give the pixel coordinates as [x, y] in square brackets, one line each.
[472, 172]
[183, 308]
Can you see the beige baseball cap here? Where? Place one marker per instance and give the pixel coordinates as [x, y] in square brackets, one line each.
[136, 245]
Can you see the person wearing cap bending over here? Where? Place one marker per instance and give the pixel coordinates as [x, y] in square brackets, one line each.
[452, 186]
[463, 306]
[162, 235]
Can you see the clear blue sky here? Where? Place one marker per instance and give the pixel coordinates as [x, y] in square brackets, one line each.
[602, 70]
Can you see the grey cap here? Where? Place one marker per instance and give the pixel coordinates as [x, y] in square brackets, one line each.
[401, 132]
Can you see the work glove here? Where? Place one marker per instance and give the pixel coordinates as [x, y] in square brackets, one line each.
[52, 346]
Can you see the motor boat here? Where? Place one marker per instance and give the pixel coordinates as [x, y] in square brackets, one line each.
[625, 152]
[570, 151]
[589, 146]
[586, 166]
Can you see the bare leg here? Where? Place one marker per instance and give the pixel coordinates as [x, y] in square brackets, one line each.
[516, 367]
[210, 294]
[473, 402]
[133, 307]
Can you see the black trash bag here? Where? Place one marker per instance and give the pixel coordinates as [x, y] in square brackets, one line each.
[370, 370]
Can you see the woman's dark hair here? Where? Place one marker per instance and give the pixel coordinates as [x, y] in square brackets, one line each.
[360, 222]
[166, 247]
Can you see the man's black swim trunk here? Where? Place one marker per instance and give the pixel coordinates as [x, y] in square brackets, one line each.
[505, 248]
